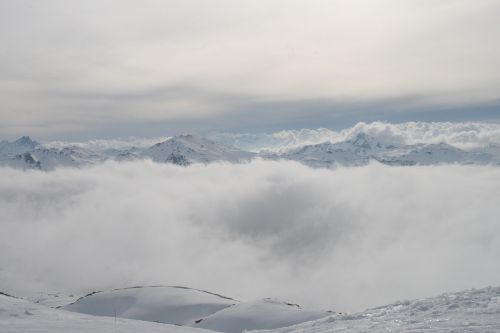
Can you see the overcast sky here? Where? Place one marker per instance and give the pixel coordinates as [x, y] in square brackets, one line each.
[108, 68]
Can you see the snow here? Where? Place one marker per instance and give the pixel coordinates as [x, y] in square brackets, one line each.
[191, 148]
[391, 144]
[362, 149]
[463, 135]
[171, 305]
[20, 146]
[53, 300]
[21, 316]
[475, 310]
[191, 307]
[262, 314]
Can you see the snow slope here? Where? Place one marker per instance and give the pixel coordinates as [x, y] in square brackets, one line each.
[191, 307]
[466, 311]
[21, 316]
[474, 310]
[170, 305]
[262, 314]
[362, 148]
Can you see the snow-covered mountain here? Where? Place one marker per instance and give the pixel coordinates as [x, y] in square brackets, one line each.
[191, 148]
[362, 148]
[22, 316]
[192, 307]
[18, 154]
[463, 135]
[183, 150]
[355, 147]
[22, 145]
[162, 304]
[475, 310]
[466, 311]
[258, 315]
[28, 154]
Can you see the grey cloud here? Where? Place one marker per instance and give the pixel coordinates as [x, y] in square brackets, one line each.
[75, 67]
[342, 239]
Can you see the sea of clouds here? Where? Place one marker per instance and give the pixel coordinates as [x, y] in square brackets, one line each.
[341, 239]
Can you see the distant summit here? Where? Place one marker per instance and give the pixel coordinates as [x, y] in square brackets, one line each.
[26, 141]
[22, 145]
[190, 148]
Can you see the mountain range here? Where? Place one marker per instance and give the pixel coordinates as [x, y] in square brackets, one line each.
[186, 149]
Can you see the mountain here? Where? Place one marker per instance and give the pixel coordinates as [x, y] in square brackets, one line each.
[22, 145]
[258, 315]
[430, 154]
[182, 150]
[70, 156]
[17, 154]
[169, 305]
[357, 150]
[192, 307]
[190, 148]
[362, 148]
[25, 153]
[475, 310]
[21, 316]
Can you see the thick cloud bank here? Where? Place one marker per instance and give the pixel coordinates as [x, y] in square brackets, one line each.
[342, 239]
[464, 135]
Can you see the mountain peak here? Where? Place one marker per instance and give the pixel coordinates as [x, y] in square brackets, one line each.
[362, 140]
[26, 141]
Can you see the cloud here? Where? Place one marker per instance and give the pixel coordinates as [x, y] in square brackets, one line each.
[73, 66]
[464, 135]
[341, 239]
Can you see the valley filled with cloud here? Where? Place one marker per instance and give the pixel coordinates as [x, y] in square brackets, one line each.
[345, 239]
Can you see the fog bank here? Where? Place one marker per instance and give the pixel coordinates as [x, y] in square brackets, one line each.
[341, 239]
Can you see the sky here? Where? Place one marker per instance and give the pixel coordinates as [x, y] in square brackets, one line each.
[113, 68]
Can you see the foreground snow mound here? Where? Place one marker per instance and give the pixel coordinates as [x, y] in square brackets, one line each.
[21, 316]
[170, 305]
[466, 311]
[263, 314]
[191, 307]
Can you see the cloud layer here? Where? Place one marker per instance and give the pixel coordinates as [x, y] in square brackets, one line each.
[342, 239]
[71, 67]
